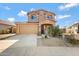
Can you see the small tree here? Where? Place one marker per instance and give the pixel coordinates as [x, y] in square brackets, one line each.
[54, 31]
[57, 31]
[50, 30]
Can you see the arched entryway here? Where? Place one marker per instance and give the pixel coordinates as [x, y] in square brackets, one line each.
[45, 27]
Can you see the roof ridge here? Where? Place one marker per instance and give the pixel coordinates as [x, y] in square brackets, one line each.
[41, 10]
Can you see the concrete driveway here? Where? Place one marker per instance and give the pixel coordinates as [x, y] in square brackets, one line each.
[26, 45]
[17, 42]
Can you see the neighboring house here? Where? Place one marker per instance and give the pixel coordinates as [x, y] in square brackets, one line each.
[73, 29]
[38, 22]
[6, 27]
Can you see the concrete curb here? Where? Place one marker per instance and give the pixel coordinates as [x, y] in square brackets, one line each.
[6, 37]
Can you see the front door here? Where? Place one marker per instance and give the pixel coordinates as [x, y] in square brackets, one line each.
[44, 28]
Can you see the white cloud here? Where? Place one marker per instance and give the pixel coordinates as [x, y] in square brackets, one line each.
[68, 5]
[32, 9]
[7, 8]
[22, 13]
[62, 16]
[11, 19]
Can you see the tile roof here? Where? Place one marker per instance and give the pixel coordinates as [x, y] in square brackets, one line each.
[74, 24]
[7, 23]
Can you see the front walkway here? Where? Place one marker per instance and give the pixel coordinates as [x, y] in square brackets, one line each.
[27, 45]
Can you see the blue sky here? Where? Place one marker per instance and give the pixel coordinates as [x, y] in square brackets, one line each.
[66, 13]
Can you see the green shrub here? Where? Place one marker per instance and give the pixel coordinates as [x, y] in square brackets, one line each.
[54, 31]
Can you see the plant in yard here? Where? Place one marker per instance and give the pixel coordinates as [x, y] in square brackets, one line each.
[50, 30]
[54, 31]
[57, 31]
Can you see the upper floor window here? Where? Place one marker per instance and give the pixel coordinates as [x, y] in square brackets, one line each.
[49, 17]
[33, 17]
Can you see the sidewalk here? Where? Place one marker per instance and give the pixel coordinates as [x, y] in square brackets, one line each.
[2, 36]
[4, 44]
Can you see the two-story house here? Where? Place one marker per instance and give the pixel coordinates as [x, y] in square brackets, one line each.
[38, 21]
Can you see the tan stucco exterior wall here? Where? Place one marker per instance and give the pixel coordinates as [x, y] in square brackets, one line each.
[42, 18]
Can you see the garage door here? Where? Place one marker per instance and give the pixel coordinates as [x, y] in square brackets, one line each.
[29, 28]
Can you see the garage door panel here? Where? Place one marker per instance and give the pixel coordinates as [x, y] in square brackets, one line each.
[28, 28]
